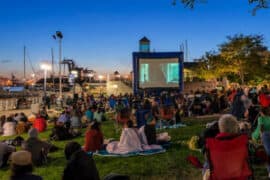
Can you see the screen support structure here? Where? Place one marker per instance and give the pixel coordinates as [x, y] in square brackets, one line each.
[137, 56]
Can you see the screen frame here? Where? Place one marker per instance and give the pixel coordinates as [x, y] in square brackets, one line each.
[137, 56]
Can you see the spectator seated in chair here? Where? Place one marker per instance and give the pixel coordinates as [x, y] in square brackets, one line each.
[231, 149]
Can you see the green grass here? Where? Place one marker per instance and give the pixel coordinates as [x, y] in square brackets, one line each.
[169, 165]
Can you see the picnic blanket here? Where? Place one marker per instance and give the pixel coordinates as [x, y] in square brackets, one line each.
[138, 153]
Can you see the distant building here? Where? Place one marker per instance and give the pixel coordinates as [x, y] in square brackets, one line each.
[5, 81]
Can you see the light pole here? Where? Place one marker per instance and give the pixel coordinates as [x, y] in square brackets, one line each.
[46, 67]
[58, 35]
[75, 75]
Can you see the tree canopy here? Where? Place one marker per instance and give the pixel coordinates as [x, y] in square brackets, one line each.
[258, 4]
[241, 57]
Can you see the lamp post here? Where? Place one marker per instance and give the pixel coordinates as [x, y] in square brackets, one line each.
[46, 67]
[75, 75]
[58, 35]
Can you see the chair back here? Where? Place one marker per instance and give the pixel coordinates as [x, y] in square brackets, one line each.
[228, 157]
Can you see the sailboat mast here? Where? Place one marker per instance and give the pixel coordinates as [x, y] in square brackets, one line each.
[24, 70]
[52, 67]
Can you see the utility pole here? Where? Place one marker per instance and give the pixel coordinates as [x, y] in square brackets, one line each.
[60, 62]
[186, 44]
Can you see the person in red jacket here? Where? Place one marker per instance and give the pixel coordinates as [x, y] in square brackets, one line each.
[264, 98]
[93, 138]
[40, 124]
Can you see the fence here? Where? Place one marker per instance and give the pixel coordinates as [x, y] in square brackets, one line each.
[18, 103]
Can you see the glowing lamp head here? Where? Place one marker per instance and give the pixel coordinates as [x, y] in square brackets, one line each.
[100, 77]
[45, 66]
[75, 73]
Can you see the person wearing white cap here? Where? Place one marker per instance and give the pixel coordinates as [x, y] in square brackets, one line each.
[22, 167]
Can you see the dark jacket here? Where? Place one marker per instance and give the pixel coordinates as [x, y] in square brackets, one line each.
[38, 149]
[81, 166]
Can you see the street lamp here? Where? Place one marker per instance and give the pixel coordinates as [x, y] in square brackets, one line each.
[58, 35]
[75, 75]
[100, 77]
[46, 67]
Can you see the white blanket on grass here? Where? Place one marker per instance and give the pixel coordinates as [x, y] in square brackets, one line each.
[130, 141]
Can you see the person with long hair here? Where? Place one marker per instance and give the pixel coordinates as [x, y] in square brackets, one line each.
[93, 138]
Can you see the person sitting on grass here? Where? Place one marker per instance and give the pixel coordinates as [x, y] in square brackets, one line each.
[89, 113]
[75, 122]
[130, 141]
[21, 127]
[5, 152]
[93, 138]
[21, 166]
[64, 118]
[40, 123]
[80, 165]
[38, 148]
[9, 127]
[263, 131]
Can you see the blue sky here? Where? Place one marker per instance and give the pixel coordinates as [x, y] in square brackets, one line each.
[102, 35]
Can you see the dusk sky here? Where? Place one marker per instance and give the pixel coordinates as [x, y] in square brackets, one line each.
[102, 35]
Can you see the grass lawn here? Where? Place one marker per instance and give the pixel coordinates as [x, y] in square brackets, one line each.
[170, 165]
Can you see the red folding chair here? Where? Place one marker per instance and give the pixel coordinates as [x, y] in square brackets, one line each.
[228, 157]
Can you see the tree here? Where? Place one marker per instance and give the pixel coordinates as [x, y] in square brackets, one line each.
[259, 4]
[245, 56]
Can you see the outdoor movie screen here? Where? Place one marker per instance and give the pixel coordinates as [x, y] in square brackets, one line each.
[162, 73]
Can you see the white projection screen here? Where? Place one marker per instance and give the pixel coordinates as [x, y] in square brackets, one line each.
[154, 73]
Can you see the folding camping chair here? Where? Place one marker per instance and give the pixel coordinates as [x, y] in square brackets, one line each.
[228, 158]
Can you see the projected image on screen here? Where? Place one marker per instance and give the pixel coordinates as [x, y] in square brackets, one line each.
[158, 73]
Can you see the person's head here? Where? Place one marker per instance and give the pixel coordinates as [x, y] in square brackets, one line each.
[125, 113]
[228, 124]
[21, 163]
[146, 104]
[129, 124]
[94, 126]
[265, 111]
[3, 118]
[71, 148]
[33, 133]
[9, 119]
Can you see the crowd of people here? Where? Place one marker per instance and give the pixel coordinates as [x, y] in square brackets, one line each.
[138, 117]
